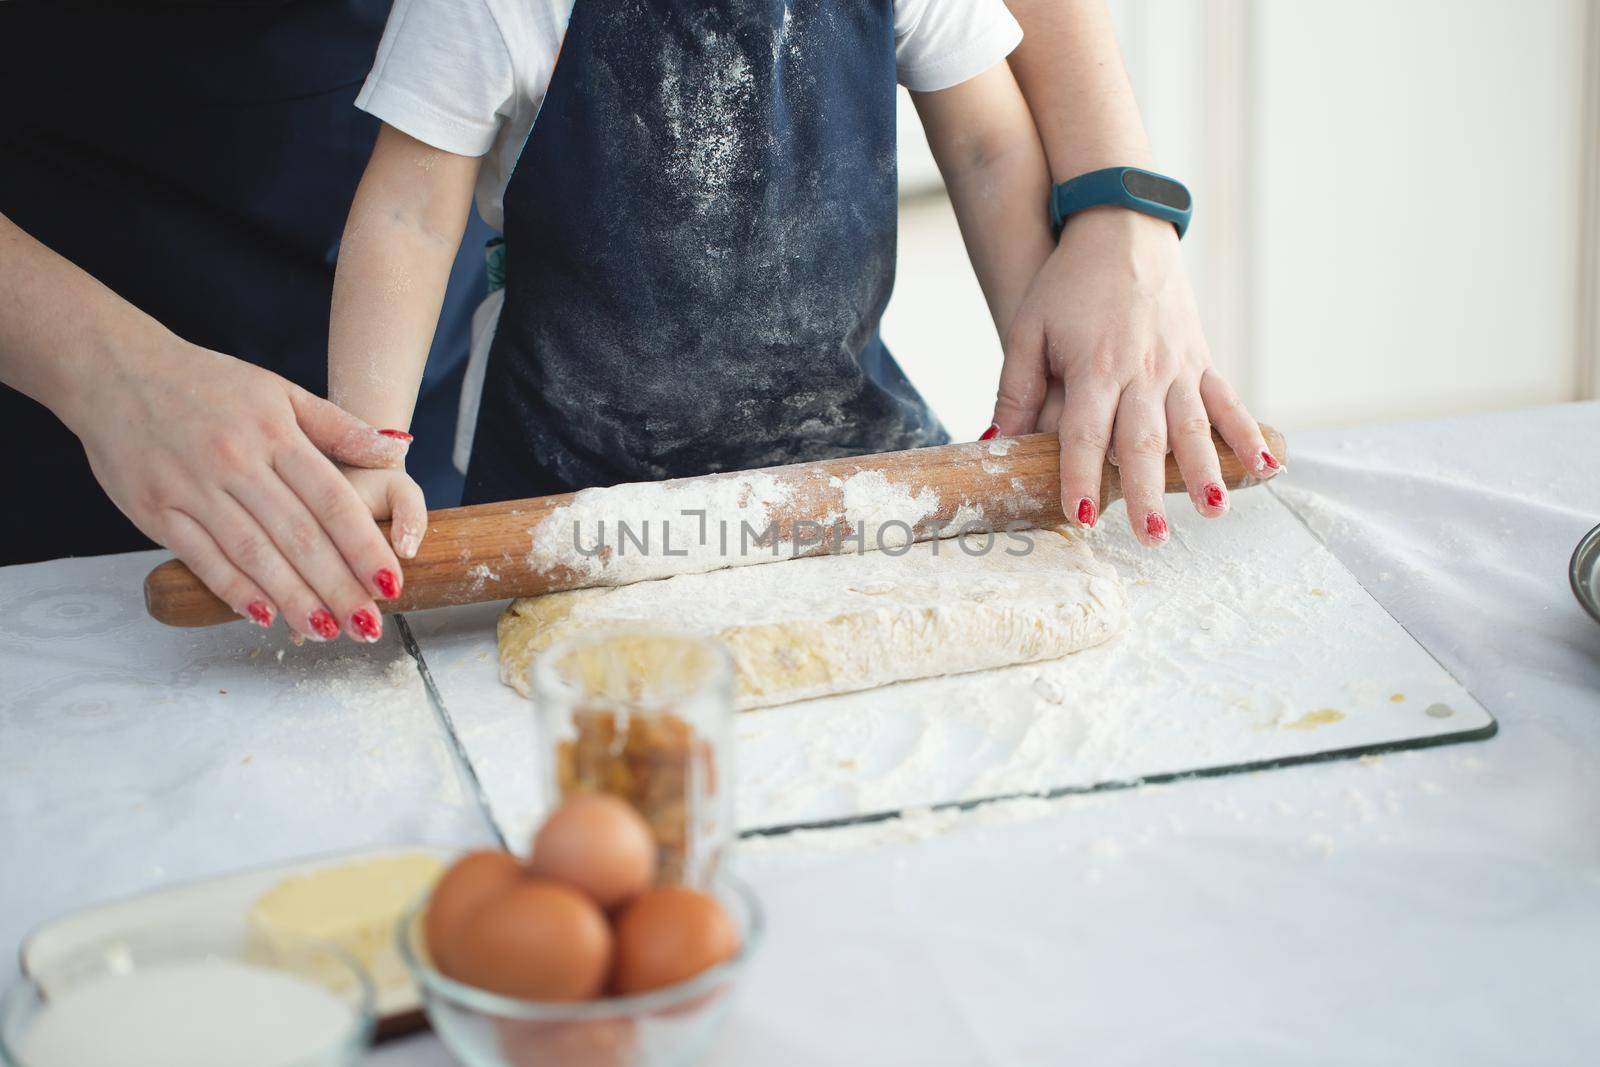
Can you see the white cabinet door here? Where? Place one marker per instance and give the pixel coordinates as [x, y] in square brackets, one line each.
[1395, 206]
[1390, 195]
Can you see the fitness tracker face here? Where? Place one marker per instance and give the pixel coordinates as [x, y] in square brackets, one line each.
[1129, 187]
[1156, 189]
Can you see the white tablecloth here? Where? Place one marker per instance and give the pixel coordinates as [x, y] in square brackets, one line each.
[1440, 906]
[133, 755]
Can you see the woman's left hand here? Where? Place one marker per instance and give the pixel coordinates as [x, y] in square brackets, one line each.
[1107, 350]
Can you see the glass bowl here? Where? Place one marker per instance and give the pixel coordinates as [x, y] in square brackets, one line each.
[646, 717]
[668, 1027]
[184, 998]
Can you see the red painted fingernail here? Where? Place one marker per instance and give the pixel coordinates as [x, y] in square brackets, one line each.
[1156, 526]
[366, 624]
[323, 624]
[1269, 460]
[992, 432]
[398, 435]
[1086, 512]
[388, 583]
[260, 613]
[1215, 496]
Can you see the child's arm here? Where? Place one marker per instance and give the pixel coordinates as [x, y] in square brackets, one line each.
[1112, 314]
[399, 244]
[394, 264]
[984, 139]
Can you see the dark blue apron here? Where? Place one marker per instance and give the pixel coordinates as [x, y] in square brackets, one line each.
[200, 160]
[700, 239]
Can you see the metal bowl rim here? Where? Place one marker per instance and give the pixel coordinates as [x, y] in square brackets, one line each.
[1588, 546]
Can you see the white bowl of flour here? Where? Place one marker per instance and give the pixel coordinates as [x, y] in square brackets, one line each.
[176, 998]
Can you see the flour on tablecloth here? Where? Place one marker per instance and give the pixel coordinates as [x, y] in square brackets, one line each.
[364, 702]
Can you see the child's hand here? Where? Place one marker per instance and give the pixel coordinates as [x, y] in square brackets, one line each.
[1107, 350]
[391, 494]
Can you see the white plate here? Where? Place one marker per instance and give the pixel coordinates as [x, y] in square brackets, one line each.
[221, 905]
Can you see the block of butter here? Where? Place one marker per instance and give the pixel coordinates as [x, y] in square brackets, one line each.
[355, 905]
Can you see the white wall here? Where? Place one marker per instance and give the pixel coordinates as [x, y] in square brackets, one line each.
[938, 325]
[1416, 239]
[1395, 206]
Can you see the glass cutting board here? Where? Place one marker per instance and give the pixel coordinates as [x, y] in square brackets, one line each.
[1249, 647]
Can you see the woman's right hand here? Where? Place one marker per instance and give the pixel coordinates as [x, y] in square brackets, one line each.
[232, 468]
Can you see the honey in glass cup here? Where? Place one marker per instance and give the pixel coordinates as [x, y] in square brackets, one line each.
[646, 717]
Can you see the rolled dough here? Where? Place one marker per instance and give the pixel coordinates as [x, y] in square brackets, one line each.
[823, 625]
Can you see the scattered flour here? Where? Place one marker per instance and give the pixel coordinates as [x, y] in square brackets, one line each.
[838, 623]
[999, 446]
[481, 574]
[916, 824]
[649, 530]
[708, 516]
[1324, 814]
[1214, 663]
[371, 707]
[1320, 843]
[707, 147]
[875, 505]
[968, 518]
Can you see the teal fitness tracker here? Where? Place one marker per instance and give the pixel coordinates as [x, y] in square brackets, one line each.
[1129, 187]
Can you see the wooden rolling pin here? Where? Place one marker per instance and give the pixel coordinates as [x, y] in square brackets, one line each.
[486, 552]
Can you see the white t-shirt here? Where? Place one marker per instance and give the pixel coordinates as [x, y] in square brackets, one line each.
[467, 76]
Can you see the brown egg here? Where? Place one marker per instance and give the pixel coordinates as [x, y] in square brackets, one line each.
[537, 940]
[669, 934]
[599, 844]
[465, 887]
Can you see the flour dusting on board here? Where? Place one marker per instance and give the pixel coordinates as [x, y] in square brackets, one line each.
[1335, 815]
[1232, 650]
[1242, 631]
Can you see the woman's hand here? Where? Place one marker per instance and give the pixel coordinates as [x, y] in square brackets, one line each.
[224, 463]
[1107, 350]
[228, 466]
